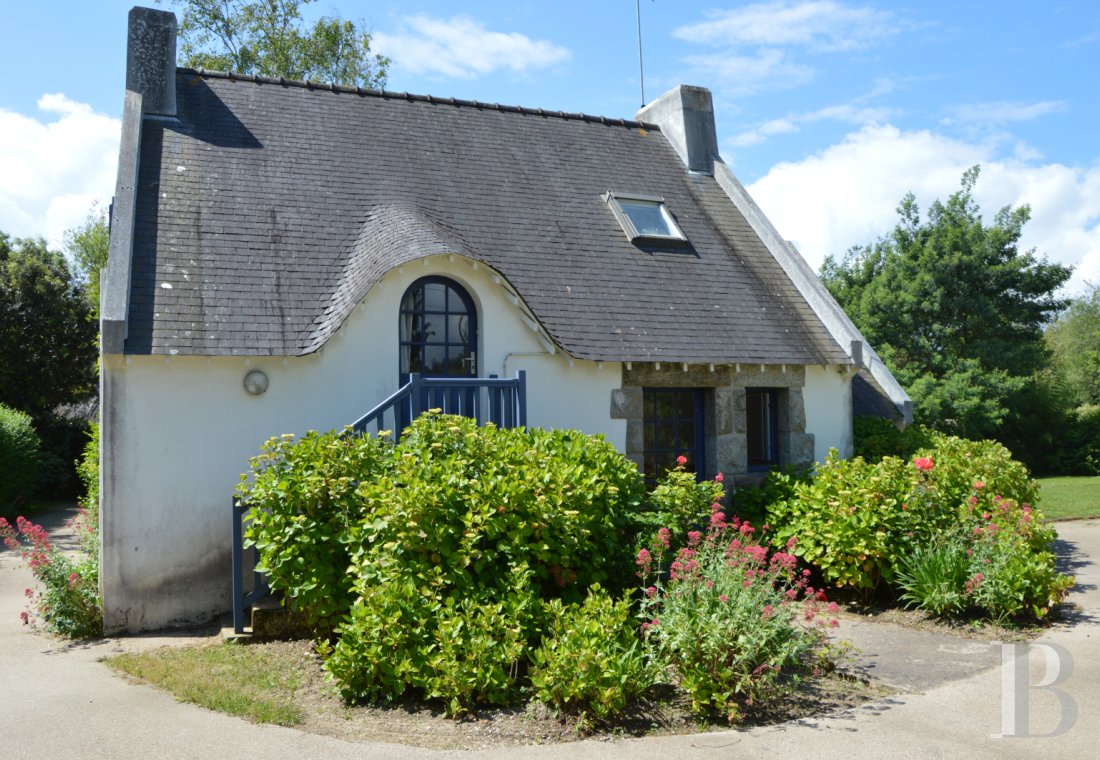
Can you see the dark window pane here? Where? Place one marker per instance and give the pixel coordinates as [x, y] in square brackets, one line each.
[685, 435]
[666, 405]
[666, 438]
[456, 361]
[646, 217]
[685, 405]
[430, 328]
[434, 359]
[435, 296]
[650, 436]
[411, 359]
[458, 328]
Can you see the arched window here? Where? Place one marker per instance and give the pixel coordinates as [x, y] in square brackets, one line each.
[438, 330]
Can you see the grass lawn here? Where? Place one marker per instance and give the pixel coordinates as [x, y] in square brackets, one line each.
[1066, 498]
[254, 683]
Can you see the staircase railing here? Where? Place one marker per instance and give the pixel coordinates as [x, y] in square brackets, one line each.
[501, 401]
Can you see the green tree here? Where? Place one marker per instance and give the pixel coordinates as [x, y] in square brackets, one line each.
[1074, 341]
[87, 246]
[47, 338]
[955, 310]
[270, 37]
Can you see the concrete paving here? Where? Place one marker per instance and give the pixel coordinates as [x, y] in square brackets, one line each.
[58, 700]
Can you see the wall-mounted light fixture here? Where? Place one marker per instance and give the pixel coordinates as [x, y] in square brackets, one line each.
[255, 382]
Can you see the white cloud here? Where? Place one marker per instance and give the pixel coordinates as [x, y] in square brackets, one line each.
[849, 114]
[769, 69]
[996, 112]
[55, 167]
[817, 24]
[463, 48]
[847, 194]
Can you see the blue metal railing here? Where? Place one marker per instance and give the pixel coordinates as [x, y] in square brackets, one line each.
[501, 401]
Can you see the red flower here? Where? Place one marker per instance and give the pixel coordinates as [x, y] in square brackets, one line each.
[681, 460]
[979, 485]
[924, 464]
[718, 478]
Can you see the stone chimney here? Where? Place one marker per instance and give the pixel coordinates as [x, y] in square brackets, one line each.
[151, 60]
[686, 116]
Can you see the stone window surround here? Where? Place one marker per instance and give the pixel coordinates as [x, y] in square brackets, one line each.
[724, 412]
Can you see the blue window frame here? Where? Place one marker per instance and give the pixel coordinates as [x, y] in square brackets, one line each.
[438, 330]
[673, 427]
[762, 427]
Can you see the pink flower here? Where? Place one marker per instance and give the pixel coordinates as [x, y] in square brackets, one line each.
[833, 607]
[723, 598]
[718, 519]
[25, 617]
[651, 592]
[718, 478]
[924, 464]
[973, 500]
[28, 593]
[663, 537]
[986, 515]
[746, 529]
[681, 460]
[979, 485]
[709, 584]
[792, 542]
[694, 537]
[768, 612]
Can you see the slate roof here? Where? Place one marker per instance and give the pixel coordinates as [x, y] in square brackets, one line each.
[267, 210]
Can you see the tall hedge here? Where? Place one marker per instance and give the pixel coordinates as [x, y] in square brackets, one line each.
[18, 458]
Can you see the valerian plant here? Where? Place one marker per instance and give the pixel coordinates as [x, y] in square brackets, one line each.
[727, 619]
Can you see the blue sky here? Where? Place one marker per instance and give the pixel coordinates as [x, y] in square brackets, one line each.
[828, 110]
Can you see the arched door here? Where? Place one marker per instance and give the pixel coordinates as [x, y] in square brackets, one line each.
[438, 330]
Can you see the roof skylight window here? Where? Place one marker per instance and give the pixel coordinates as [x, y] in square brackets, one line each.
[645, 218]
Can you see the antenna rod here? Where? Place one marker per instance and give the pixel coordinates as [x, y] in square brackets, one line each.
[641, 67]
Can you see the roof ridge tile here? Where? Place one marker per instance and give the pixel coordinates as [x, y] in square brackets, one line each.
[434, 100]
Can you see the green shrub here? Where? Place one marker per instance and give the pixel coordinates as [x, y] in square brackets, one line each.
[87, 469]
[591, 662]
[959, 463]
[19, 459]
[427, 559]
[62, 446]
[681, 503]
[305, 503]
[997, 562]
[855, 519]
[730, 619]
[751, 502]
[463, 506]
[875, 438]
[480, 646]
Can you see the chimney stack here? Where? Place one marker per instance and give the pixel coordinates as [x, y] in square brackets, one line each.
[686, 116]
[151, 60]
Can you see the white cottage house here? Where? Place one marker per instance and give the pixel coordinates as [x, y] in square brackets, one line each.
[324, 242]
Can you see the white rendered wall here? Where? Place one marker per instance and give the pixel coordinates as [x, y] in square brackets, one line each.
[827, 397]
[178, 432]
